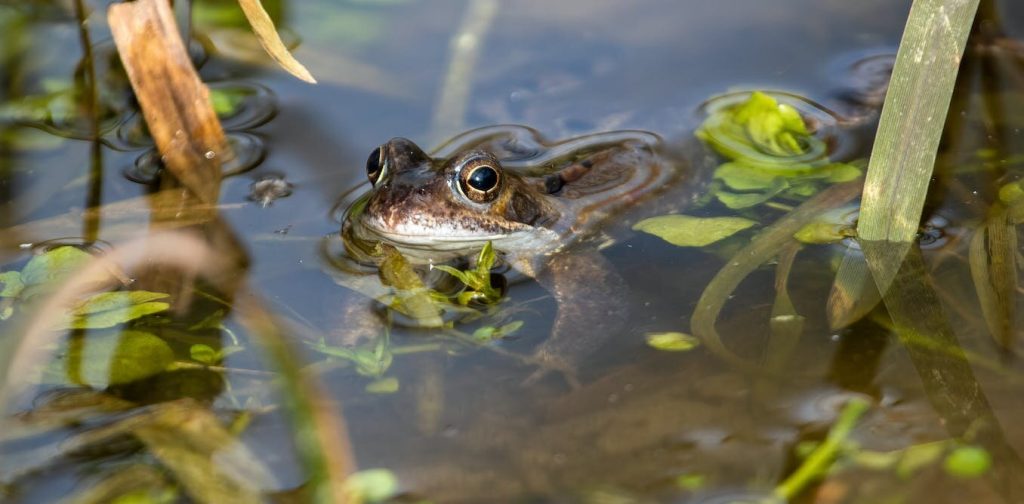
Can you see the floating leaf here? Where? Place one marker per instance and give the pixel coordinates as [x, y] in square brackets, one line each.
[105, 359]
[739, 201]
[12, 284]
[968, 462]
[761, 132]
[387, 385]
[774, 127]
[108, 309]
[373, 485]
[742, 177]
[54, 265]
[263, 26]
[672, 341]
[687, 231]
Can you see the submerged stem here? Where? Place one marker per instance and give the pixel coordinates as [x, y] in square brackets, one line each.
[818, 462]
[450, 114]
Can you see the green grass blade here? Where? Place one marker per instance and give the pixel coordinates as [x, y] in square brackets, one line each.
[913, 117]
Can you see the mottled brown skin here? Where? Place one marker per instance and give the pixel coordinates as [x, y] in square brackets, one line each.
[418, 191]
[535, 213]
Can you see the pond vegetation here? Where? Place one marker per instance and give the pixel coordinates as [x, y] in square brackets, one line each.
[816, 302]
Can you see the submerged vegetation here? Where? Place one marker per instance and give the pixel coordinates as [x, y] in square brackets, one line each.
[159, 366]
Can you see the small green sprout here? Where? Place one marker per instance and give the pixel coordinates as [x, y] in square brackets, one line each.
[477, 280]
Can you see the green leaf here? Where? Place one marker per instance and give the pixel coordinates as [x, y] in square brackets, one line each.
[478, 279]
[53, 265]
[116, 358]
[491, 333]
[842, 172]
[108, 309]
[917, 456]
[486, 259]
[742, 177]
[204, 354]
[369, 361]
[672, 341]
[226, 101]
[147, 496]
[739, 201]
[687, 231]
[12, 284]
[829, 227]
[464, 277]
[776, 128]
[968, 462]
[691, 482]
[387, 385]
[762, 132]
[373, 485]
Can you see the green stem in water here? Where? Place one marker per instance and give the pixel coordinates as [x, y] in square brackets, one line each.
[820, 460]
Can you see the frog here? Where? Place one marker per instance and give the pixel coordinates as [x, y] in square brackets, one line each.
[546, 208]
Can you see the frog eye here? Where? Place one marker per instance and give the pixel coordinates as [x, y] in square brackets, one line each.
[479, 181]
[375, 165]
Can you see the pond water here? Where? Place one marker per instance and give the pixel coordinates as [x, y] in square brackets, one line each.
[453, 414]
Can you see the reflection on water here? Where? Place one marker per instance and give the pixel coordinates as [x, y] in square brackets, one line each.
[172, 387]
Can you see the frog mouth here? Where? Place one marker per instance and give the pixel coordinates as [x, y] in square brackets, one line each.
[444, 237]
[428, 243]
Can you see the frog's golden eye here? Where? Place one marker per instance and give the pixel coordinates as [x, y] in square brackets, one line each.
[479, 181]
[375, 165]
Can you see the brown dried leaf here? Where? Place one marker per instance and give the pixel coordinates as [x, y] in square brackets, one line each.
[175, 103]
[263, 26]
[994, 271]
[853, 294]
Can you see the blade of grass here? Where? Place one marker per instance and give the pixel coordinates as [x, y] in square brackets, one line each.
[911, 124]
[945, 372]
[263, 26]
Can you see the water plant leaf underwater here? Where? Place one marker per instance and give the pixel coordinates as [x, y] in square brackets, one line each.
[478, 279]
[108, 309]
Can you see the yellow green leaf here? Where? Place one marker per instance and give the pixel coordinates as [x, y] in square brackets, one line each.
[687, 231]
[672, 341]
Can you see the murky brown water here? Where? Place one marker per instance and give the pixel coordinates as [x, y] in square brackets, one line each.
[451, 419]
